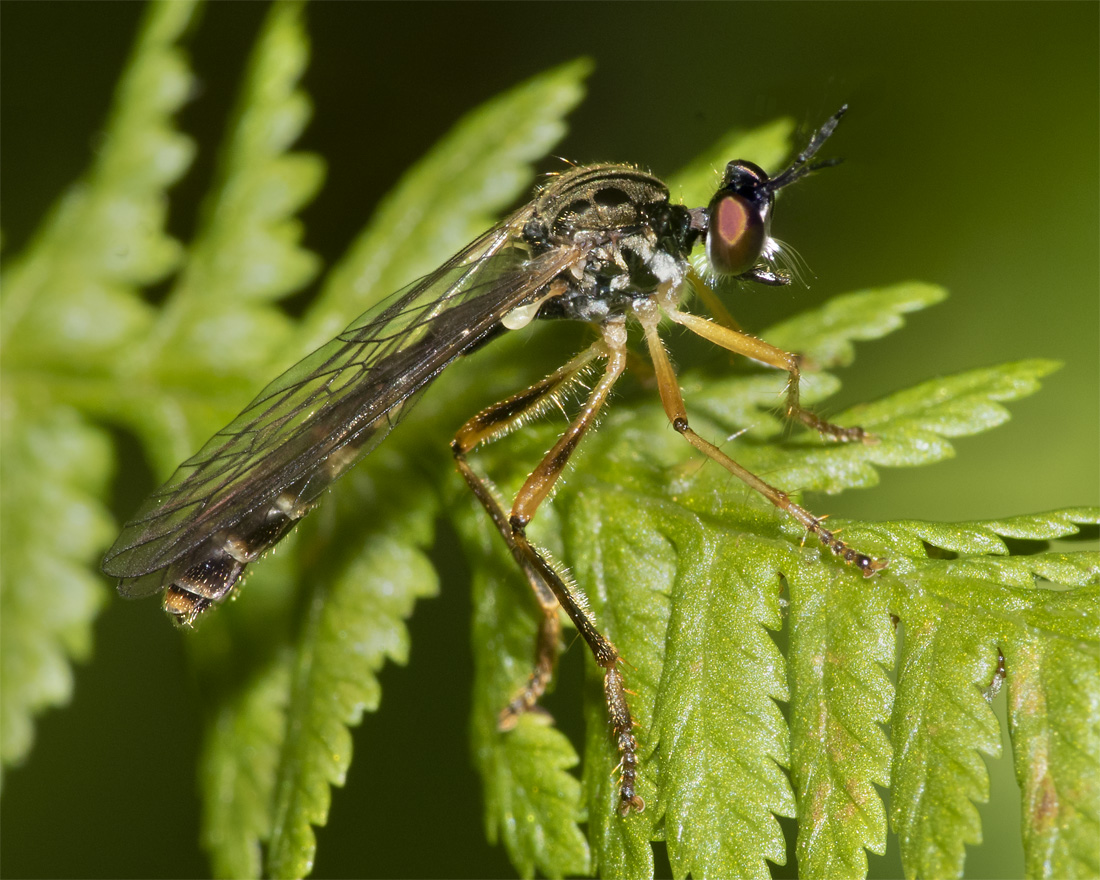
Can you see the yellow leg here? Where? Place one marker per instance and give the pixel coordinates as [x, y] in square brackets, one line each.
[673, 403]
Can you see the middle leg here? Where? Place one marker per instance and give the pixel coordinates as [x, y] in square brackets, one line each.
[491, 424]
[547, 581]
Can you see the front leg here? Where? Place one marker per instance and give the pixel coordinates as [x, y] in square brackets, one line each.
[758, 350]
[673, 403]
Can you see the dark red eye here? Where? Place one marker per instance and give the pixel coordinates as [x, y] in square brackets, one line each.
[735, 234]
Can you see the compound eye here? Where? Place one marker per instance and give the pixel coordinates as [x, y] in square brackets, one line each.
[735, 234]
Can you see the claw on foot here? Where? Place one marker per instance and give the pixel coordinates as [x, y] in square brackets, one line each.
[631, 805]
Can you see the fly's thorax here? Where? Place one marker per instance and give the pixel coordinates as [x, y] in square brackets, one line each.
[597, 198]
[632, 239]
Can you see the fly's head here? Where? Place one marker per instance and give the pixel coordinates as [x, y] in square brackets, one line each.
[739, 219]
[737, 222]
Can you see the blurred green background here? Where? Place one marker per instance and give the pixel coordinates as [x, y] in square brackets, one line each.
[971, 161]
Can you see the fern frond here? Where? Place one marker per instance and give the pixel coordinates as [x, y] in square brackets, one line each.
[70, 302]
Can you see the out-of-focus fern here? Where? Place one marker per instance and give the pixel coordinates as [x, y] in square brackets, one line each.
[686, 570]
[70, 306]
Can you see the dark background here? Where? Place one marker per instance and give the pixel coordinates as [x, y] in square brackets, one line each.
[971, 151]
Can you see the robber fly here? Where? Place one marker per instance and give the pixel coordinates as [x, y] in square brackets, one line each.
[600, 244]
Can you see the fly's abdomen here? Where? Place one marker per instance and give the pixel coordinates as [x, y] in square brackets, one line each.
[208, 574]
[205, 574]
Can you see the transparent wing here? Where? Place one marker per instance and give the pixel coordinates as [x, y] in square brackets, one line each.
[321, 416]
